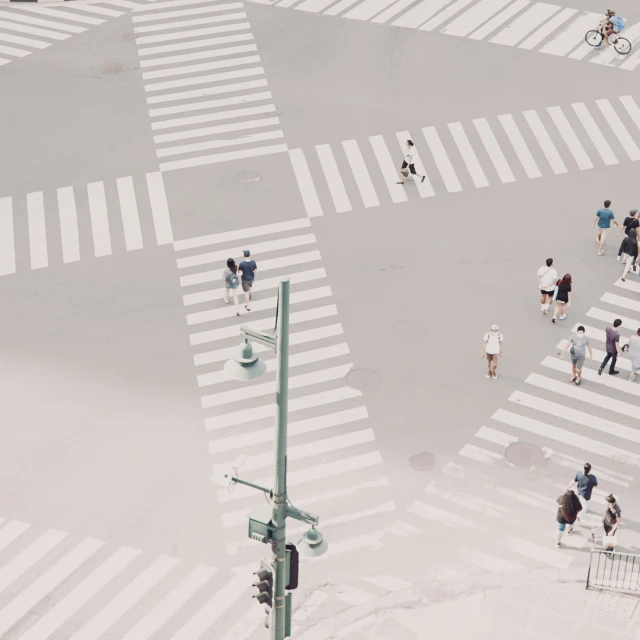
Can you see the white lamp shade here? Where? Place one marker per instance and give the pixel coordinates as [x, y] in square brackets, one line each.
[245, 366]
[312, 544]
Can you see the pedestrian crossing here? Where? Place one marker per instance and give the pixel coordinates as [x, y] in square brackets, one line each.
[482, 153]
[26, 28]
[333, 459]
[98, 219]
[205, 85]
[532, 26]
[503, 514]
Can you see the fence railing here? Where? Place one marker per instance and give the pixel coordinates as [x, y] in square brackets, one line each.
[616, 571]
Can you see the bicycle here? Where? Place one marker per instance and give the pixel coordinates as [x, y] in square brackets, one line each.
[620, 44]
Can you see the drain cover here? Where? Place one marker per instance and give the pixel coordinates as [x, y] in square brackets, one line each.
[364, 379]
[422, 461]
[114, 69]
[249, 176]
[408, 329]
[524, 454]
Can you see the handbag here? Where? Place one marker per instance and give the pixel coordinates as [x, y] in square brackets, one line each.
[609, 542]
[405, 172]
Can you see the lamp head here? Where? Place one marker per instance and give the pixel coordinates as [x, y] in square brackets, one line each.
[245, 365]
[312, 544]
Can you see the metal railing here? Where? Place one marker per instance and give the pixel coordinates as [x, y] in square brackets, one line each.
[609, 569]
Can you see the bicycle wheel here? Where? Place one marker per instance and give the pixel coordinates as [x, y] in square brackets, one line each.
[623, 46]
[594, 38]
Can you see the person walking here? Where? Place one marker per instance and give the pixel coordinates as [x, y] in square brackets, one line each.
[231, 283]
[562, 297]
[629, 252]
[630, 222]
[586, 481]
[610, 520]
[407, 164]
[604, 218]
[578, 345]
[612, 347]
[547, 277]
[492, 349]
[568, 509]
[633, 347]
[247, 268]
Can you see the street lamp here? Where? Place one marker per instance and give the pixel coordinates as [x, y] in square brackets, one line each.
[248, 366]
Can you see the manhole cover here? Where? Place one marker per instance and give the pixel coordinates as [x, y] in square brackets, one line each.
[364, 379]
[113, 69]
[524, 454]
[408, 329]
[422, 461]
[128, 36]
[249, 176]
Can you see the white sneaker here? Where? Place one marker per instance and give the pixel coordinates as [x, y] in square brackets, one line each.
[618, 259]
[495, 375]
[562, 317]
[488, 375]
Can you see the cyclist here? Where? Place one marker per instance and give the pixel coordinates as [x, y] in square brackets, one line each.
[611, 24]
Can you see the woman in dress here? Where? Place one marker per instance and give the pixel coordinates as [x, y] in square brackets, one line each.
[563, 297]
[568, 508]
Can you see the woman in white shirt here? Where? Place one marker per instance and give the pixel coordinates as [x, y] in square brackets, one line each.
[408, 162]
[492, 349]
[547, 277]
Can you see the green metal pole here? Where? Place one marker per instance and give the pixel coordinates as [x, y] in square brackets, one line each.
[279, 517]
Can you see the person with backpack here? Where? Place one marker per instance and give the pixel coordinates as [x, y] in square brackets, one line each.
[568, 509]
[611, 24]
[562, 297]
[231, 283]
[629, 252]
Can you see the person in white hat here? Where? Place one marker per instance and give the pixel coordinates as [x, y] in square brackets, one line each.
[492, 349]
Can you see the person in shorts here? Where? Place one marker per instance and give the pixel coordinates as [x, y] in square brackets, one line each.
[247, 268]
[492, 349]
[610, 521]
[604, 218]
[577, 345]
[547, 277]
[586, 482]
[563, 297]
[568, 509]
[408, 163]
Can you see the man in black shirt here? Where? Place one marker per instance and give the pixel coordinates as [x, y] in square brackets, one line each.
[630, 222]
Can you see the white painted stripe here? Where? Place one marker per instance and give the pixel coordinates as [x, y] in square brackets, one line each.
[573, 463]
[242, 234]
[196, 80]
[441, 159]
[333, 178]
[445, 14]
[27, 42]
[198, 55]
[12, 531]
[493, 149]
[310, 425]
[537, 552]
[13, 51]
[547, 430]
[545, 142]
[500, 19]
[208, 117]
[621, 301]
[47, 582]
[546, 29]
[524, 24]
[165, 15]
[196, 44]
[388, 169]
[126, 599]
[159, 208]
[46, 33]
[122, 3]
[629, 286]
[55, 13]
[582, 418]
[4, 61]
[393, 10]
[495, 436]
[305, 183]
[467, 501]
[202, 66]
[48, 624]
[60, 26]
[519, 146]
[99, 219]
[619, 129]
[170, 4]
[339, 7]
[190, 23]
[101, 11]
[211, 104]
[474, 17]
[253, 618]
[443, 518]
[367, 9]
[468, 155]
[266, 411]
[232, 332]
[37, 230]
[129, 212]
[425, 189]
[69, 231]
[485, 456]
[488, 562]
[607, 316]
[7, 239]
[214, 608]
[420, 13]
[631, 62]
[632, 109]
[192, 33]
[314, 6]
[360, 173]
[597, 137]
[571, 37]
[607, 55]
[267, 388]
[171, 603]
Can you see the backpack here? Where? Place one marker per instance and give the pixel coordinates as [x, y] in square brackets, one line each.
[232, 280]
[617, 22]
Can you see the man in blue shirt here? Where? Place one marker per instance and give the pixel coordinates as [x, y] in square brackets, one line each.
[604, 217]
[247, 268]
[586, 482]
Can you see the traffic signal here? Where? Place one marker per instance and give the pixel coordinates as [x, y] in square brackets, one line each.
[264, 585]
[292, 566]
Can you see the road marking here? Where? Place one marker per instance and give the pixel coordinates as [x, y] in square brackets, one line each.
[546, 29]
[334, 179]
[314, 6]
[47, 33]
[464, 24]
[445, 14]
[159, 208]
[493, 149]
[360, 173]
[570, 138]
[196, 44]
[206, 31]
[393, 10]
[388, 169]
[525, 23]
[164, 15]
[519, 146]
[196, 80]
[597, 137]
[60, 26]
[444, 518]
[500, 19]
[621, 301]
[68, 225]
[12, 531]
[55, 13]
[7, 239]
[212, 104]
[468, 155]
[197, 68]
[545, 142]
[28, 42]
[199, 55]
[425, 189]
[367, 9]
[208, 117]
[618, 128]
[193, 22]
[99, 219]
[37, 230]
[337, 8]
[441, 159]
[129, 212]
[420, 13]
[571, 37]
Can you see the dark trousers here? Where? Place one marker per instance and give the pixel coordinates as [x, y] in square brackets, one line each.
[610, 356]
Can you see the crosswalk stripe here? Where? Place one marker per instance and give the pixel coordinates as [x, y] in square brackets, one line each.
[545, 141]
[570, 138]
[525, 23]
[122, 3]
[192, 33]
[129, 212]
[195, 44]
[49, 580]
[473, 452]
[388, 169]
[596, 334]
[7, 240]
[631, 61]
[267, 411]
[367, 9]
[101, 11]
[597, 137]
[393, 10]
[571, 37]
[305, 183]
[12, 531]
[610, 54]
[314, 6]
[537, 552]
[339, 7]
[467, 501]
[196, 80]
[546, 29]
[81, 594]
[442, 517]
[37, 230]
[425, 189]
[468, 155]
[209, 117]
[334, 179]
[629, 286]
[247, 625]
[493, 149]
[169, 4]
[99, 219]
[28, 42]
[441, 159]
[203, 66]
[165, 15]
[445, 14]
[46, 33]
[519, 146]
[464, 24]
[55, 13]
[496, 437]
[69, 231]
[60, 26]
[488, 562]
[619, 129]
[572, 462]
[607, 316]
[360, 173]
[420, 13]
[190, 23]
[198, 55]
[490, 26]
[621, 301]
[632, 109]
[159, 208]
[171, 603]
[4, 61]
[13, 51]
